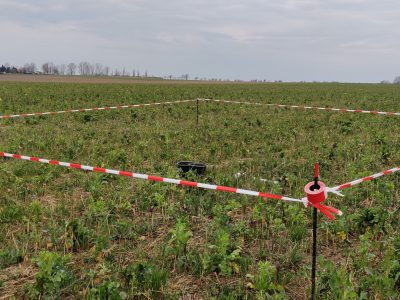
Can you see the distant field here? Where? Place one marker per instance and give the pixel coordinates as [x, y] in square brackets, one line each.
[94, 79]
[73, 234]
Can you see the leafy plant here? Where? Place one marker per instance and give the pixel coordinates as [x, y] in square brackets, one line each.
[107, 290]
[54, 275]
[180, 235]
[335, 282]
[265, 282]
[222, 257]
[112, 221]
[145, 277]
[9, 256]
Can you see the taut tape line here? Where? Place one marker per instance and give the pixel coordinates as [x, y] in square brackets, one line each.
[150, 177]
[52, 113]
[372, 112]
[367, 178]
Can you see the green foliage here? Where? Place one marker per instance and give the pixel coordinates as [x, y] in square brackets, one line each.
[11, 213]
[141, 277]
[197, 243]
[54, 275]
[222, 257]
[335, 282]
[265, 282]
[379, 280]
[81, 235]
[9, 256]
[374, 217]
[180, 235]
[108, 290]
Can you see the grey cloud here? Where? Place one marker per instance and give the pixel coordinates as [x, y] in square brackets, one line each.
[248, 39]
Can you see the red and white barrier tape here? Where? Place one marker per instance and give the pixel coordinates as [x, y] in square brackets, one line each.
[204, 185]
[152, 178]
[335, 190]
[193, 100]
[367, 178]
[373, 112]
[91, 109]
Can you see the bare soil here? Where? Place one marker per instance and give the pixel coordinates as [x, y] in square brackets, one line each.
[96, 79]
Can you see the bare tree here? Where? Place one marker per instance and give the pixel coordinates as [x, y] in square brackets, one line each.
[396, 80]
[55, 70]
[125, 72]
[50, 68]
[133, 73]
[62, 69]
[98, 69]
[90, 69]
[106, 70]
[29, 68]
[45, 68]
[85, 68]
[71, 69]
[82, 68]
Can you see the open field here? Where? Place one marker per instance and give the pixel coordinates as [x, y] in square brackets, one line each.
[73, 234]
[95, 79]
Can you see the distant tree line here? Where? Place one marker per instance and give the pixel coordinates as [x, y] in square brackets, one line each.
[27, 69]
[83, 68]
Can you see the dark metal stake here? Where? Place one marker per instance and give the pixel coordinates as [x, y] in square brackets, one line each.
[314, 253]
[315, 227]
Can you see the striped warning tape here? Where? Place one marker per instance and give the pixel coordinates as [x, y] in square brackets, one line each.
[198, 184]
[91, 109]
[152, 178]
[200, 99]
[367, 178]
[373, 112]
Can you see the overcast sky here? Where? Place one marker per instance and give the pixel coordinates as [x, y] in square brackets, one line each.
[353, 40]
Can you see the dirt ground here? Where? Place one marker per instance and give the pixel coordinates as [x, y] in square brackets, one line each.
[95, 80]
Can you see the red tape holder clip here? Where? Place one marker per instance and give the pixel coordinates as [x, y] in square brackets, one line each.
[317, 193]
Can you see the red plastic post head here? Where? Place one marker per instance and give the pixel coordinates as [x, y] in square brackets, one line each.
[315, 195]
[316, 170]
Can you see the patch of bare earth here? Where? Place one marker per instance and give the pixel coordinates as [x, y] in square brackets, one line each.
[14, 279]
[95, 80]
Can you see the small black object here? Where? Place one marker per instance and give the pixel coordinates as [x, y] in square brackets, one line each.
[187, 166]
[199, 168]
[184, 166]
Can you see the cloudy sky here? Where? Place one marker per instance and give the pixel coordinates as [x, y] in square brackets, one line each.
[343, 40]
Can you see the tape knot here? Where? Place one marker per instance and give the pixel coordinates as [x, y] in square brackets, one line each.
[317, 193]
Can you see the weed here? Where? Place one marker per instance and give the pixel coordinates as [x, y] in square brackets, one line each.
[54, 275]
[108, 290]
[141, 277]
[9, 256]
[197, 242]
[265, 282]
[180, 235]
[335, 282]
